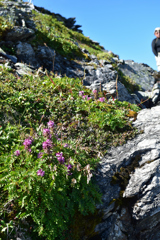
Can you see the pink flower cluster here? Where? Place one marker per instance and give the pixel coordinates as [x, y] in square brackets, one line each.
[50, 124]
[27, 144]
[40, 172]
[60, 157]
[17, 153]
[69, 167]
[65, 145]
[47, 145]
[81, 93]
[46, 133]
[102, 99]
[86, 97]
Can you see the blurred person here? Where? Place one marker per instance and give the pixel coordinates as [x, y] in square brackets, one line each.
[156, 46]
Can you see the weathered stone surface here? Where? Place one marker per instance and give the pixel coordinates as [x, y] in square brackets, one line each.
[7, 56]
[19, 34]
[18, 13]
[26, 54]
[23, 69]
[45, 56]
[119, 91]
[141, 73]
[141, 196]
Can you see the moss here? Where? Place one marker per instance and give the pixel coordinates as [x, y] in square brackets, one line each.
[104, 56]
[86, 57]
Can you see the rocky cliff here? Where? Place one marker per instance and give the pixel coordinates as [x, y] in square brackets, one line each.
[128, 175]
[129, 179]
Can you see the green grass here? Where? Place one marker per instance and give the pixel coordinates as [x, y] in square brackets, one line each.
[60, 38]
[104, 56]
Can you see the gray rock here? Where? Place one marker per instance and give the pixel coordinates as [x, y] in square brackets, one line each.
[141, 74]
[26, 54]
[119, 91]
[18, 33]
[18, 13]
[23, 69]
[141, 195]
[103, 62]
[45, 56]
[7, 56]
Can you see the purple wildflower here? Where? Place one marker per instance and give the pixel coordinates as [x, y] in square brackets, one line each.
[46, 133]
[84, 96]
[40, 154]
[81, 93]
[50, 124]
[17, 153]
[65, 145]
[88, 98]
[47, 145]
[27, 142]
[102, 99]
[69, 167]
[59, 154]
[56, 135]
[60, 157]
[40, 172]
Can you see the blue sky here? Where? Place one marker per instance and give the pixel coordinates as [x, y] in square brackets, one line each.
[124, 27]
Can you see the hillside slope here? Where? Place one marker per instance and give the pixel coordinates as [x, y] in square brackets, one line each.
[63, 103]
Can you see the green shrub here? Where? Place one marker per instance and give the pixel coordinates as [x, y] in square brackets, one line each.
[46, 180]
